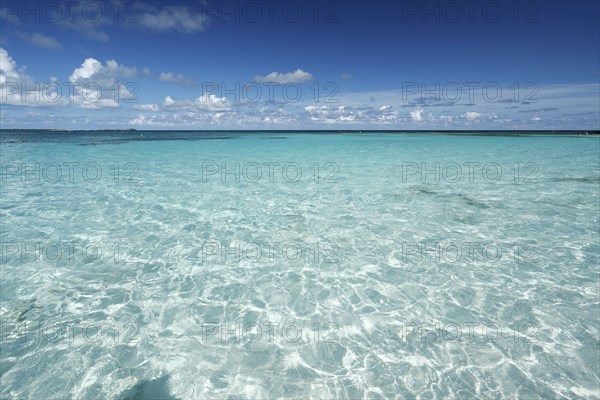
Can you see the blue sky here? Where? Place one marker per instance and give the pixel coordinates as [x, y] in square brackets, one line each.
[415, 64]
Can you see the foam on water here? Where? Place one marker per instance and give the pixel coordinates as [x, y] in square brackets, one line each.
[371, 314]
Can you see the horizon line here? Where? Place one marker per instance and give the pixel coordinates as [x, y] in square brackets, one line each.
[592, 131]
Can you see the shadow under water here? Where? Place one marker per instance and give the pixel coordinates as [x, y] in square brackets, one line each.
[448, 196]
[155, 389]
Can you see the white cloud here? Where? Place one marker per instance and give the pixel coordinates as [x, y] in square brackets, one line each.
[86, 22]
[536, 118]
[472, 115]
[86, 27]
[146, 107]
[273, 116]
[93, 34]
[416, 115]
[101, 85]
[322, 110]
[19, 89]
[298, 76]
[169, 101]
[386, 115]
[89, 68]
[174, 19]
[346, 76]
[140, 120]
[348, 115]
[93, 69]
[178, 79]
[115, 69]
[188, 119]
[92, 100]
[68, 15]
[206, 102]
[47, 42]
[8, 67]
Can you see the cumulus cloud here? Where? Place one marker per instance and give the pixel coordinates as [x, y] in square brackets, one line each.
[140, 120]
[346, 114]
[346, 76]
[177, 79]
[386, 115]
[475, 117]
[19, 89]
[88, 69]
[190, 119]
[416, 115]
[315, 109]
[146, 107]
[8, 67]
[298, 76]
[206, 102]
[169, 101]
[92, 68]
[275, 116]
[472, 115]
[102, 85]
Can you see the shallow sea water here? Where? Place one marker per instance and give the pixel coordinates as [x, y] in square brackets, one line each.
[186, 265]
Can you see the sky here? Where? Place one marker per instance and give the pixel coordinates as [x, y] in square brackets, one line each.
[391, 64]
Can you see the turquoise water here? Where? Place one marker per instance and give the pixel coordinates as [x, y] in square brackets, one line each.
[190, 265]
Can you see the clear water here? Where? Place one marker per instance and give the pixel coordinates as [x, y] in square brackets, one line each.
[162, 278]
